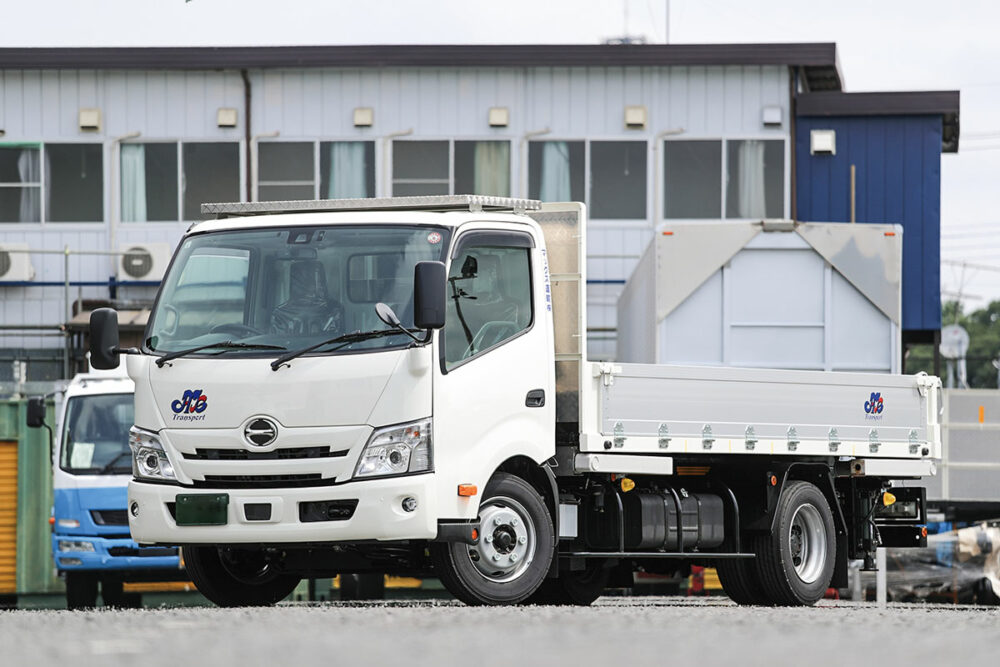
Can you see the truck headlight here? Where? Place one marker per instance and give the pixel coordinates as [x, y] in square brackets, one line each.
[75, 545]
[397, 450]
[149, 461]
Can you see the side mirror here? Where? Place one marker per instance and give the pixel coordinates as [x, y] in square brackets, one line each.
[104, 339]
[36, 412]
[386, 314]
[429, 283]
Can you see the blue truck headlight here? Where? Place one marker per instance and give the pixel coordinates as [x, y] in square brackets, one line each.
[397, 450]
[149, 461]
[75, 545]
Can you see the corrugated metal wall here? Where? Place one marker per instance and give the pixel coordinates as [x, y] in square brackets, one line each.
[898, 177]
[29, 451]
[582, 103]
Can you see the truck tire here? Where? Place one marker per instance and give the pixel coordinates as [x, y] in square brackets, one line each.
[514, 551]
[795, 562]
[81, 590]
[579, 587]
[362, 586]
[741, 582]
[237, 577]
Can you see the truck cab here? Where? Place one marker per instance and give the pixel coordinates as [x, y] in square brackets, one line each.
[92, 465]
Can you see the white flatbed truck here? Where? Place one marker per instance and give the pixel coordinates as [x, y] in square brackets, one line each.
[401, 385]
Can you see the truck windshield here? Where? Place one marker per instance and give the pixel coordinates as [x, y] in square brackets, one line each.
[286, 288]
[95, 434]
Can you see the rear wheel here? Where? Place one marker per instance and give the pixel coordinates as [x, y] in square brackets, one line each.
[237, 577]
[81, 590]
[741, 582]
[795, 562]
[574, 587]
[514, 551]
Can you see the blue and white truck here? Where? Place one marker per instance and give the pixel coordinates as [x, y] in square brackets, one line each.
[91, 464]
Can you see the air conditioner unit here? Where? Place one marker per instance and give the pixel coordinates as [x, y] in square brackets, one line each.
[143, 261]
[15, 263]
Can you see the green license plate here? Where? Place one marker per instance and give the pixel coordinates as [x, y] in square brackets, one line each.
[202, 509]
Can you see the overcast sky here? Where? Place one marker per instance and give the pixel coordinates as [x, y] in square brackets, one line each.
[884, 45]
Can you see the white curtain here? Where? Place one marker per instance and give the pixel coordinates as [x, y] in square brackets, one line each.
[28, 172]
[555, 172]
[751, 180]
[133, 183]
[347, 170]
[492, 168]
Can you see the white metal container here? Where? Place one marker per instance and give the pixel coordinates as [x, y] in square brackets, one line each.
[771, 294]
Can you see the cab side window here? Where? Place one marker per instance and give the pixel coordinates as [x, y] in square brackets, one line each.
[489, 300]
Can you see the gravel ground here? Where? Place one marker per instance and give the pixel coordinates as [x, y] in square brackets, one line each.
[615, 631]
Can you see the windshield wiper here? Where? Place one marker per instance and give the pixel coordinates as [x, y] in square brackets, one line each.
[346, 339]
[227, 344]
[111, 464]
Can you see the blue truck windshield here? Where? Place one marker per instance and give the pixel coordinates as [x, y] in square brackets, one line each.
[95, 434]
[285, 288]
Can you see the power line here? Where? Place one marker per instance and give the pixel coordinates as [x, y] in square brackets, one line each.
[971, 265]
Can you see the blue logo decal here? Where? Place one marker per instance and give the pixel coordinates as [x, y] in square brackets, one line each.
[190, 406]
[874, 405]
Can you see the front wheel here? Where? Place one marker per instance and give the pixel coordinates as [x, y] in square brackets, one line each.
[514, 551]
[81, 590]
[237, 577]
[795, 562]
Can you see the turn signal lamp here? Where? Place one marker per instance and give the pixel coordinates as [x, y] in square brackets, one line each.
[467, 490]
[888, 499]
[627, 484]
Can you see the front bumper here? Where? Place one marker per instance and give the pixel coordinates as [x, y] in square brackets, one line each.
[108, 554]
[379, 514]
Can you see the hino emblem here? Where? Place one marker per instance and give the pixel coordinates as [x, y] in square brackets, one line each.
[261, 432]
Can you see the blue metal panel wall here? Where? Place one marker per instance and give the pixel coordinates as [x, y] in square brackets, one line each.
[898, 161]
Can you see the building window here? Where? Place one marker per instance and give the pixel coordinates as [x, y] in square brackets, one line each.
[618, 180]
[692, 179]
[753, 174]
[755, 179]
[149, 182]
[346, 169]
[74, 183]
[288, 170]
[420, 168]
[20, 183]
[556, 170]
[424, 168]
[482, 168]
[209, 172]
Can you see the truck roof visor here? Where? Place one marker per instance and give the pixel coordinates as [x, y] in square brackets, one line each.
[496, 239]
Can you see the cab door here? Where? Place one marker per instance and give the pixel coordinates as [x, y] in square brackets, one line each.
[493, 392]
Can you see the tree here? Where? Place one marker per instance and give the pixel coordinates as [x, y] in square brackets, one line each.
[984, 344]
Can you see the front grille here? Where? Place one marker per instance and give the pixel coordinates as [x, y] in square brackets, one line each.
[261, 481]
[143, 552]
[206, 454]
[109, 517]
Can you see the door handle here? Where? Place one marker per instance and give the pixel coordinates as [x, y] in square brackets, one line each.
[535, 398]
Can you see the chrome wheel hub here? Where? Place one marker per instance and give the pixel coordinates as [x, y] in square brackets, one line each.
[807, 543]
[506, 544]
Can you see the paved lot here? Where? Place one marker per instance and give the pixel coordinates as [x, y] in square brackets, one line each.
[616, 631]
